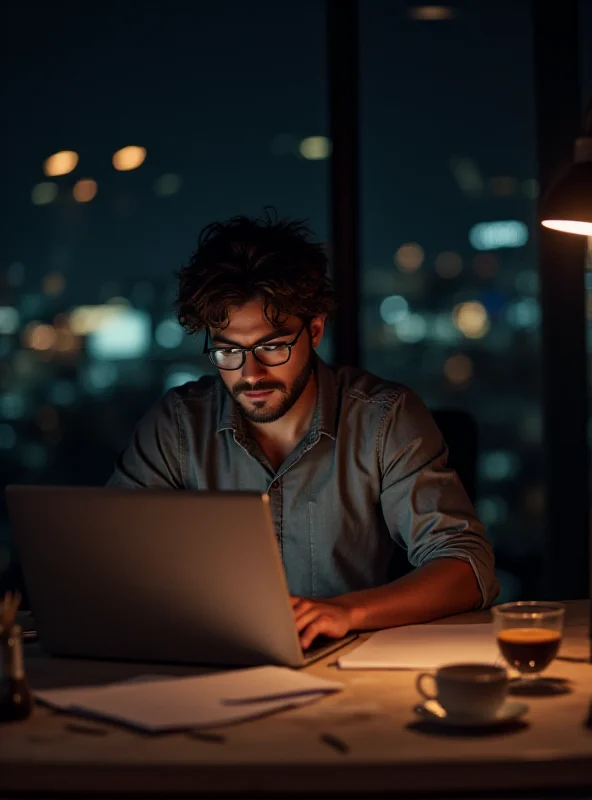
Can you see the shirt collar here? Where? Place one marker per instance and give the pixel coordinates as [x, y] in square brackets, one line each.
[324, 419]
[326, 411]
[229, 416]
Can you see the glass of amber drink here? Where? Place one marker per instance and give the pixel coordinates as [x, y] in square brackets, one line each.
[528, 635]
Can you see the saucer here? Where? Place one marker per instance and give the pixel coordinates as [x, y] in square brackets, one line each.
[433, 712]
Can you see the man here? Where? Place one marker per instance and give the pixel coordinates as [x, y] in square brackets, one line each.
[354, 465]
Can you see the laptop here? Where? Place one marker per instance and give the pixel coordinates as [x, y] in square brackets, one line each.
[157, 575]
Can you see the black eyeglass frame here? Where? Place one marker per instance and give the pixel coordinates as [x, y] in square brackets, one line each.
[209, 351]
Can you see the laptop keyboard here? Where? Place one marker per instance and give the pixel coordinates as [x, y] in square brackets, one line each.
[323, 645]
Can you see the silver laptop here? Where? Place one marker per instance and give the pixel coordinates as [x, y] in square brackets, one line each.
[157, 575]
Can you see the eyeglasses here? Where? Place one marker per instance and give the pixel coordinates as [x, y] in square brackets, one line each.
[270, 355]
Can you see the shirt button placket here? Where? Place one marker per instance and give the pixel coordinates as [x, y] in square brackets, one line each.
[275, 494]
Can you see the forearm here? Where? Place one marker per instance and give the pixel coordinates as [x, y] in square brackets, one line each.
[438, 589]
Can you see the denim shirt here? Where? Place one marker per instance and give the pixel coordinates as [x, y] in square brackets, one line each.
[370, 475]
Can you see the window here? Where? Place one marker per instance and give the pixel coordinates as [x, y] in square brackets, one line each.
[449, 262]
[129, 129]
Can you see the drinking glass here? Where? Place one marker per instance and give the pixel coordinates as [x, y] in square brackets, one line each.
[528, 634]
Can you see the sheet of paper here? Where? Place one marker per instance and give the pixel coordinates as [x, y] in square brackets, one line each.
[194, 702]
[424, 647]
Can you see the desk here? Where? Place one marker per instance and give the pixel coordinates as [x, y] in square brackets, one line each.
[389, 752]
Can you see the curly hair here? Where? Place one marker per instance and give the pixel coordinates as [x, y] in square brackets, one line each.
[247, 258]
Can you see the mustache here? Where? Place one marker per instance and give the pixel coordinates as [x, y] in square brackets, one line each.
[259, 387]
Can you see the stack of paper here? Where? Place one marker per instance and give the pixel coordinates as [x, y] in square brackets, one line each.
[424, 647]
[160, 704]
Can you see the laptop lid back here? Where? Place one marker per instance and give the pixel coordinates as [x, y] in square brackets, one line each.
[155, 575]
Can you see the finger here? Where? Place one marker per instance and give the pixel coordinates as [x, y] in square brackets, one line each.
[307, 618]
[321, 625]
[304, 607]
[299, 601]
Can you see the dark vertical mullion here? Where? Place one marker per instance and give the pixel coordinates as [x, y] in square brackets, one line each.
[562, 295]
[342, 55]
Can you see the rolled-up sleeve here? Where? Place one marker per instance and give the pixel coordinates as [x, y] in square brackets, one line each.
[152, 457]
[425, 506]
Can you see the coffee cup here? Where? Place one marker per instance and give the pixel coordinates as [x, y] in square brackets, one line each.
[475, 691]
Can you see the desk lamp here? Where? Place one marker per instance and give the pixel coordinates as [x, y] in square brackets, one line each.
[567, 207]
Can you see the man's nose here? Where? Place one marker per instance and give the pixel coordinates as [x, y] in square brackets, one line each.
[252, 370]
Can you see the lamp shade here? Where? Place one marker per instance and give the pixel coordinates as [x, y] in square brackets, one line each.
[567, 205]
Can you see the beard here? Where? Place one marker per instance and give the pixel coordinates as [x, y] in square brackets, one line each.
[257, 412]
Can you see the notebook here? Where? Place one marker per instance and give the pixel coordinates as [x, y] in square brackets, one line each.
[424, 647]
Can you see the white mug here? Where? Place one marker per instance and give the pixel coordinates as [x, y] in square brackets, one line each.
[467, 690]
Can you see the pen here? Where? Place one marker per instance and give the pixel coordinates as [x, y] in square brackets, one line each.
[335, 742]
[82, 727]
[207, 737]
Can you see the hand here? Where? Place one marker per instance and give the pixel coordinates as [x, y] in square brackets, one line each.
[315, 617]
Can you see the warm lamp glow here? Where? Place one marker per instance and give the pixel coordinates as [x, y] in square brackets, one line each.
[129, 158]
[38, 336]
[567, 205]
[431, 13]
[84, 190]
[458, 369]
[60, 163]
[87, 319]
[568, 226]
[471, 319]
[409, 257]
